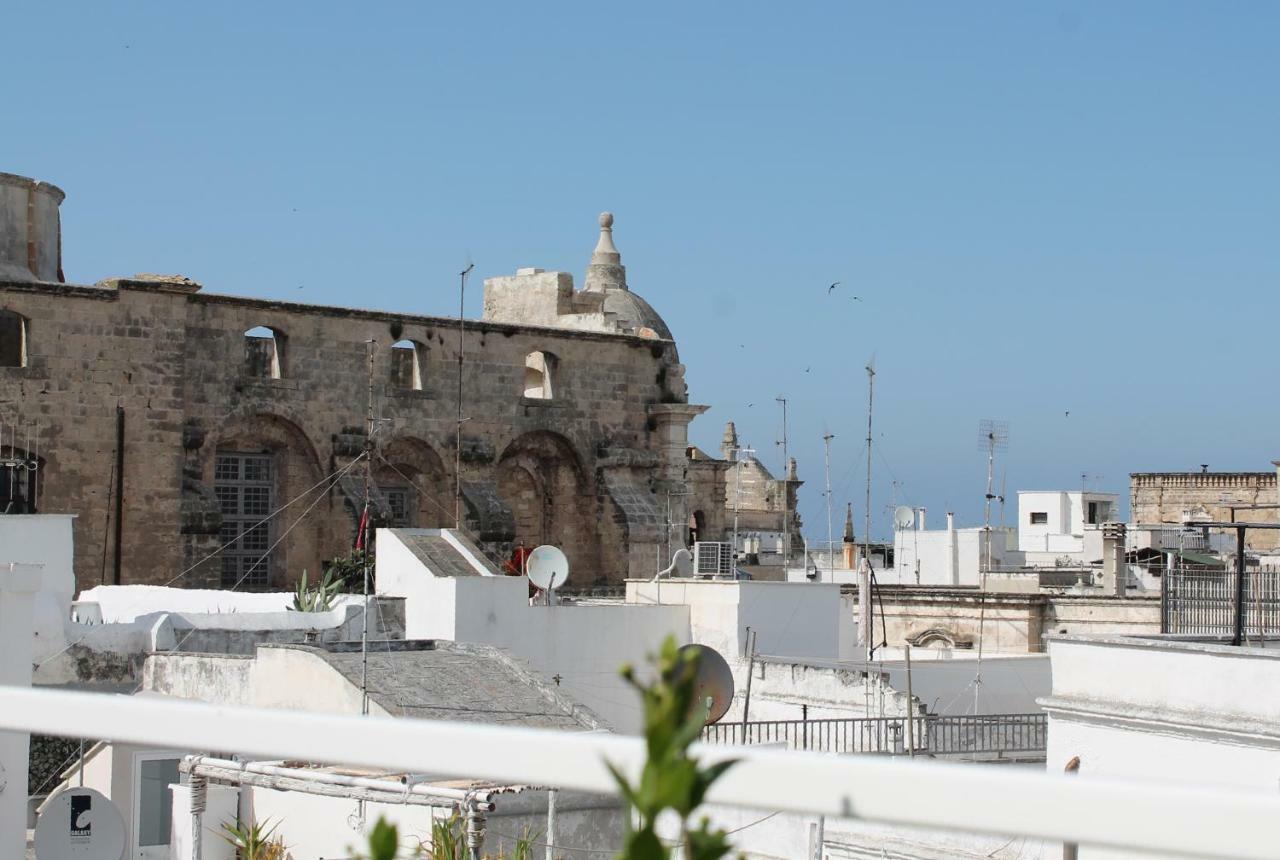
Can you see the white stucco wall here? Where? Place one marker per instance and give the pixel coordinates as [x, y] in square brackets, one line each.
[1164, 711]
[947, 558]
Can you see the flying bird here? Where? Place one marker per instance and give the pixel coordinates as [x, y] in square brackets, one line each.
[806, 370]
[856, 298]
[832, 287]
[1066, 414]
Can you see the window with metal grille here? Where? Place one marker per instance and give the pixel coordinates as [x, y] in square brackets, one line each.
[399, 503]
[244, 485]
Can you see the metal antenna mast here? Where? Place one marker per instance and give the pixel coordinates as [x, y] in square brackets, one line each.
[364, 525]
[457, 441]
[871, 393]
[831, 552]
[737, 495]
[786, 489]
[992, 436]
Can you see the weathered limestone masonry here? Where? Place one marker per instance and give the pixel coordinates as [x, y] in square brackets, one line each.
[1169, 497]
[575, 431]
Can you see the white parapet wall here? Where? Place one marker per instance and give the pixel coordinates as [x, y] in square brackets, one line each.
[1165, 710]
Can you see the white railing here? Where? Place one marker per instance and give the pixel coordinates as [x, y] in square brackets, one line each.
[1151, 817]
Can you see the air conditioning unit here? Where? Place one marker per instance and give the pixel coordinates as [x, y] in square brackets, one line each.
[712, 558]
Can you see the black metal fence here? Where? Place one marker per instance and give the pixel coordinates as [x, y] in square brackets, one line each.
[996, 734]
[1206, 603]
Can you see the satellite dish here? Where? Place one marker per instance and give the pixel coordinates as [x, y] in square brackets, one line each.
[714, 684]
[548, 568]
[80, 823]
[903, 517]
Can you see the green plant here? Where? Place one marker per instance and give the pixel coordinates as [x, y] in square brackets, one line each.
[348, 570]
[447, 841]
[384, 841]
[254, 841]
[671, 779]
[317, 599]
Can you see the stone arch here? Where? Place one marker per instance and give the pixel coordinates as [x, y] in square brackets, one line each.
[410, 466]
[940, 637]
[260, 461]
[408, 365]
[697, 527]
[542, 480]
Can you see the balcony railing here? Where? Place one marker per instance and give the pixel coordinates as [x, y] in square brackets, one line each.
[980, 736]
[1206, 603]
[1156, 817]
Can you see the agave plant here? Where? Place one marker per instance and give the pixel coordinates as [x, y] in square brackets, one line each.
[254, 841]
[318, 598]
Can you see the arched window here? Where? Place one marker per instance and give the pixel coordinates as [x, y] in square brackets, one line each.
[539, 368]
[13, 339]
[406, 365]
[264, 353]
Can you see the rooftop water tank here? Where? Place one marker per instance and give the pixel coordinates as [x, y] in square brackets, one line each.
[30, 230]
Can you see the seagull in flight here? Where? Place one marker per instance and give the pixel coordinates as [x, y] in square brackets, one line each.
[831, 288]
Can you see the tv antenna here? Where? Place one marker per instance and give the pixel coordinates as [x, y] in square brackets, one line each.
[457, 440]
[548, 568]
[786, 494]
[871, 396]
[831, 546]
[993, 436]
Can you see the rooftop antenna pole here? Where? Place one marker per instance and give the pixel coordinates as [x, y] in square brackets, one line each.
[993, 436]
[871, 392]
[457, 441]
[737, 495]
[826, 464]
[364, 525]
[786, 490]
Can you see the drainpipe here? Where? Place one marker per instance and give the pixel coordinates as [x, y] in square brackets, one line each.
[117, 560]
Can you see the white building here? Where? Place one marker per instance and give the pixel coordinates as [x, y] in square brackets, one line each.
[946, 556]
[1063, 525]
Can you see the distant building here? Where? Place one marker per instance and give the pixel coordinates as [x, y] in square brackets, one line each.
[765, 506]
[1063, 525]
[173, 422]
[1180, 497]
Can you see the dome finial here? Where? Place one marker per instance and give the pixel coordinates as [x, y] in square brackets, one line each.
[606, 271]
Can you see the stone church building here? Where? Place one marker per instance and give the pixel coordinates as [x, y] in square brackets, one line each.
[217, 441]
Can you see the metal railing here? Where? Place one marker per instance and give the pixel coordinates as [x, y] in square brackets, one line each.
[1204, 602]
[1158, 818]
[995, 734]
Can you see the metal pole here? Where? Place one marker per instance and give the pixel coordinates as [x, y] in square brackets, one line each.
[551, 823]
[786, 491]
[866, 541]
[475, 831]
[911, 708]
[117, 558]
[1238, 635]
[457, 440]
[831, 553]
[364, 520]
[1071, 850]
[751, 670]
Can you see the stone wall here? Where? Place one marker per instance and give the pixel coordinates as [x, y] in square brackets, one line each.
[1166, 497]
[174, 362]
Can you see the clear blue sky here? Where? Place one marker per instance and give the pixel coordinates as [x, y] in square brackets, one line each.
[1043, 207]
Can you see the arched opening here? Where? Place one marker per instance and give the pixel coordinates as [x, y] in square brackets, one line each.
[407, 357]
[411, 478]
[13, 339]
[264, 353]
[539, 370]
[21, 479]
[541, 480]
[260, 463]
[697, 527]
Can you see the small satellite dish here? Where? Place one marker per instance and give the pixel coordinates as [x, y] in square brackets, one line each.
[81, 823]
[903, 517]
[548, 568]
[714, 684]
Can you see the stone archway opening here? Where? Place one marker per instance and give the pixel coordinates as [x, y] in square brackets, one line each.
[542, 481]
